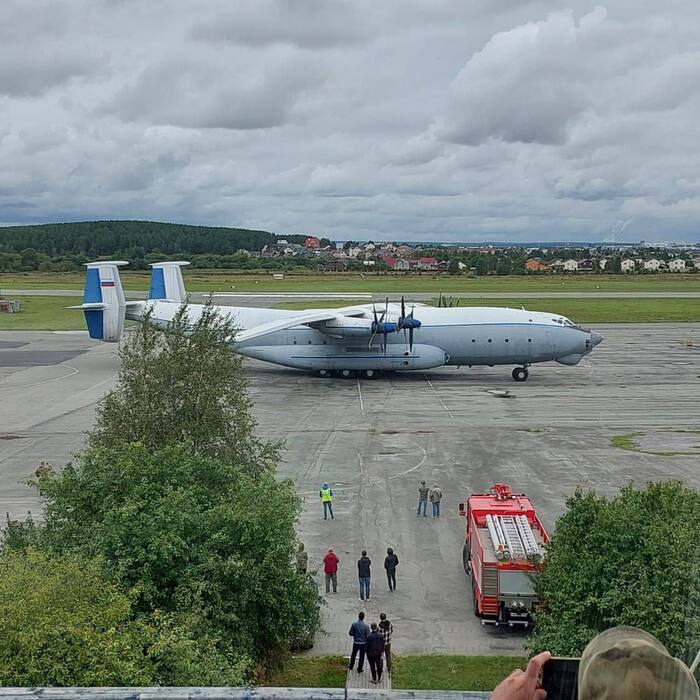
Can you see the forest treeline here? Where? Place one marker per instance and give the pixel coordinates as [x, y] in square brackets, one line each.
[65, 247]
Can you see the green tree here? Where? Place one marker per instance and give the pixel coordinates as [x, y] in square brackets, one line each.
[453, 266]
[62, 623]
[614, 265]
[482, 265]
[188, 533]
[632, 560]
[183, 385]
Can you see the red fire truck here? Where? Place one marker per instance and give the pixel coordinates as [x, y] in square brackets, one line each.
[504, 549]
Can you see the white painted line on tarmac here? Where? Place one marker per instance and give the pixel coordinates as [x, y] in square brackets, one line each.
[359, 393]
[45, 381]
[439, 398]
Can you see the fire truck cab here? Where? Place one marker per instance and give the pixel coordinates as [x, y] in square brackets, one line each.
[503, 551]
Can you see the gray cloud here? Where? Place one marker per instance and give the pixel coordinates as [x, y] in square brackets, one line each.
[399, 119]
[312, 24]
[223, 92]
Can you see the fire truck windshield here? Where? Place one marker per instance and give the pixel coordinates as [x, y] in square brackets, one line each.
[516, 583]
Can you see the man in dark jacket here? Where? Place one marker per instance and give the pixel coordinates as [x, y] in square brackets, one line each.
[363, 573]
[386, 629]
[359, 631]
[375, 649]
[391, 561]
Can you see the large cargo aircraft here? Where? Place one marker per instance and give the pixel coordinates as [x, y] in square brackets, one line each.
[363, 340]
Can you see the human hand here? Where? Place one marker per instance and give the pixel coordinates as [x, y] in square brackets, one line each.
[523, 685]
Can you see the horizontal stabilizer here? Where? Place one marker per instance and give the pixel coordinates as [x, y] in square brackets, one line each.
[93, 305]
[284, 323]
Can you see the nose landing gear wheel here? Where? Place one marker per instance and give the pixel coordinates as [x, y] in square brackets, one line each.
[520, 374]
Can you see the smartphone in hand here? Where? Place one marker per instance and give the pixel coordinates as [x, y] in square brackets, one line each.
[560, 678]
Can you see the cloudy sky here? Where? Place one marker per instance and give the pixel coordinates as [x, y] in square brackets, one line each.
[387, 119]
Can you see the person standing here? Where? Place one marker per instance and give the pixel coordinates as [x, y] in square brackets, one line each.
[326, 496]
[375, 648]
[391, 561]
[363, 573]
[302, 559]
[330, 569]
[422, 498]
[386, 629]
[359, 633]
[435, 498]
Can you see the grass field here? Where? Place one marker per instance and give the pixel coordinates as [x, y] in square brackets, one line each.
[579, 310]
[410, 672]
[50, 313]
[44, 314]
[223, 280]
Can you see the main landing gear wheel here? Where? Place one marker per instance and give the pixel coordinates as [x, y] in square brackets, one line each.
[370, 373]
[520, 374]
[347, 373]
[324, 373]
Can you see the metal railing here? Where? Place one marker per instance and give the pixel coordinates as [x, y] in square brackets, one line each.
[233, 694]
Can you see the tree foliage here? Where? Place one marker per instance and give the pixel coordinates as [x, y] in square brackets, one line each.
[632, 560]
[188, 533]
[183, 385]
[63, 623]
[178, 501]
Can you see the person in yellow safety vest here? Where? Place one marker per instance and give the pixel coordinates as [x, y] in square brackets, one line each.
[326, 496]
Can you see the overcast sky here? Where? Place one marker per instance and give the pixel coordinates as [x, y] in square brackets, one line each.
[435, 120]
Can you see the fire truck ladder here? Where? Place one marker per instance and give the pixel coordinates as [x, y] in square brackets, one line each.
[512, 537]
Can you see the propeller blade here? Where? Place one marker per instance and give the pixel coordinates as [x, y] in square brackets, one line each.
[410, 339]
[375, 325]
[403, 308]
[440, 300]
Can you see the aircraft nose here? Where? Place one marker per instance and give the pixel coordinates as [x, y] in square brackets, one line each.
[596, 338]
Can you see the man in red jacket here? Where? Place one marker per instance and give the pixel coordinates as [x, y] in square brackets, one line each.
[330, 569]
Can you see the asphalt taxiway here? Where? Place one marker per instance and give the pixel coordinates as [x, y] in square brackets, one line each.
[373, 441]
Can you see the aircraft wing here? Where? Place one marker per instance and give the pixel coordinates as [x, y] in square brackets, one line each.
[287, 322]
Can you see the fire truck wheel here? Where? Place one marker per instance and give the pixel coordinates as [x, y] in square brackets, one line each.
[465, 560]
[475, 603]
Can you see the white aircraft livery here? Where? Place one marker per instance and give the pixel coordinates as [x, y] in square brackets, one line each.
[367, 339]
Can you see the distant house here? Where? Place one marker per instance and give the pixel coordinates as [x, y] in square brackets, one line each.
[426, 263]
[336, 266]
[354, 251]
[696, 263]
[399, 264]
[628, 265]
[603, 262]
[677, 265]
[312, 242]
[570, 265]
[587, 265]
[556, 265]
[653, 265]
[536, 265]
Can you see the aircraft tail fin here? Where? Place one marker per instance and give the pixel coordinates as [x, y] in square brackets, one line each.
[104, 304]
[166, 281]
